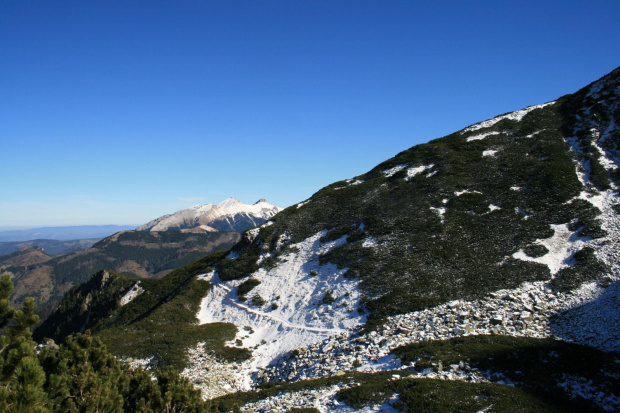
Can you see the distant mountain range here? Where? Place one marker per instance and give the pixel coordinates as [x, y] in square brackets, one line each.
[50, 246]
[229, 215]
[175, 240]
[63, 233]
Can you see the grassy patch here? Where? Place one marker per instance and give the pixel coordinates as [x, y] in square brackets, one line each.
[171, 329]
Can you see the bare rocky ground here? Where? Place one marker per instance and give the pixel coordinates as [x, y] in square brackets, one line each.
[533, 310]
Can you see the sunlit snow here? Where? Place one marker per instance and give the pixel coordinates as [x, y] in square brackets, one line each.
[516, 116]
[133, 292]
[389, 172]
[296, 286]
[411, 172]
[561, 245]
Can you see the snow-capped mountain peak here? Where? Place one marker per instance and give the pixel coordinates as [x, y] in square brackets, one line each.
[228, 202]
[229, 215]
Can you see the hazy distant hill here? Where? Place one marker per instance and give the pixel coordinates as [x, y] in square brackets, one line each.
[25, 256]
[50, 246]
[63, 233]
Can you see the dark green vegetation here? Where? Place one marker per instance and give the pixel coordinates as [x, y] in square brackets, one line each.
[133, 253]
[416, 395]
[425, 257]
[428, 395]
[78, 376]
[585, 268]
[536, 366]
[245, 287]
[85, 305]
[158, 323]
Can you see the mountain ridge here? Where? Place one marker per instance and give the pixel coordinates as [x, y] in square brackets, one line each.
[229, 215]
[509, 228]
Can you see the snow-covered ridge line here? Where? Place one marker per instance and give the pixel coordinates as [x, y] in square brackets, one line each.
[517, 116]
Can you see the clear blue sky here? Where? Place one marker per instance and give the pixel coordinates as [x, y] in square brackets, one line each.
[116, 112]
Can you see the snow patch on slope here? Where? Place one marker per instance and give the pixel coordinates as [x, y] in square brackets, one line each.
[133, 292]
[389, 172]
[441, 211]
[516, 116]
[561, 245]
[299, 205]
[481, 136]
[300, 318]
[411, 172]
[466, 191]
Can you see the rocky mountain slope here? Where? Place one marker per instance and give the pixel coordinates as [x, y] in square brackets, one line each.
[228, 215]
[480, 269]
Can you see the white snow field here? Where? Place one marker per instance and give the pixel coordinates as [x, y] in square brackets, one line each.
[299, 317]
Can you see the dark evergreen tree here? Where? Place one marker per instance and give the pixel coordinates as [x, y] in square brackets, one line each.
[80, 375]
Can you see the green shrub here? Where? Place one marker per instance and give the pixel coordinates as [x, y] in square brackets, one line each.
[538, 364]
[535, 250]
[247, 286]
[586, 268]
[258, 301]
[328, 298]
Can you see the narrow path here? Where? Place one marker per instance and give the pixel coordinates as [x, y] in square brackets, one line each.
[275, 318]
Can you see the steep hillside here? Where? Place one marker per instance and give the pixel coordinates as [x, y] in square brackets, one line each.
[508, 228]
[133, 253]
[150, 319]
[228, 215]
